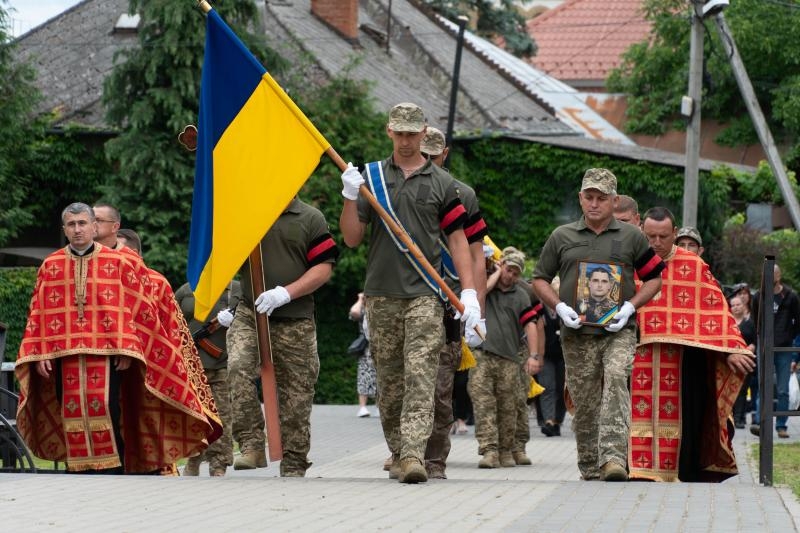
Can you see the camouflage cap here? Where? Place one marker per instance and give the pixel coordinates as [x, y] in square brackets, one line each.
[406, 117]
[692, 233]
[601, 179]
[433, 143]
[515, 258]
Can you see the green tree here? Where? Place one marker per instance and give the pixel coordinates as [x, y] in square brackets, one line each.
[654, 73]
[491, 19]
[18, 97]
[151, 95]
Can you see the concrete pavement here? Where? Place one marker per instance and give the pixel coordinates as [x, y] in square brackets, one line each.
[346, 490]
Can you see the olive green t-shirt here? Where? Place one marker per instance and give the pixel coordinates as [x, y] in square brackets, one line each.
[298, 240]
[427, 205]
[619, 243]
[507, 314]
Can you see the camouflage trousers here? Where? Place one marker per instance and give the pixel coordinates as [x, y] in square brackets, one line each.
[598, 368]
[219, 454]
[494, 388]
[406, 336]
[438, 447]
[294, 353]
[522, 434]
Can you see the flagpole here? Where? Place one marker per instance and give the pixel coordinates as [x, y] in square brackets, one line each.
[401, 234]
[269, 389]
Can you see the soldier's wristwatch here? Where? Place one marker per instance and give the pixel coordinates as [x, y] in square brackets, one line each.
[534, 356]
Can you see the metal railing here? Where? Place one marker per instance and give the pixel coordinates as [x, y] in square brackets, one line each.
[766, 372]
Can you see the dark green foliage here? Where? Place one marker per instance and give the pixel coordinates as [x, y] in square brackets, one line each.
[151, 95]
[739, 255]
[62, 168]
[527, 189]
[16, 288]
[654, 73]
[491, 20]
[18, 97]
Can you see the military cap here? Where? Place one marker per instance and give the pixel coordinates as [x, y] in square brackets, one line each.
[406, 117]
[601, 179]
[515, 258]
[692, 233]
[433, 143]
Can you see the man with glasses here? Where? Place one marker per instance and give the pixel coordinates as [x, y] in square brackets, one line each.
[108, 223]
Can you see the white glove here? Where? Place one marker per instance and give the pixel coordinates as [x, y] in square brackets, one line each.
[472, 309]
[225, 318]
[352, 180]
[272, 299]
[568, 315]
[619, 320]
[472, 337]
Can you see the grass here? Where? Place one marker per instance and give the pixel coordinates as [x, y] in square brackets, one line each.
[785, 465]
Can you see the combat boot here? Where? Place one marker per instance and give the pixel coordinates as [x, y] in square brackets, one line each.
[192, 467]
[507, 460]
[489, 460]
[412, 471]
[394, 466]
[250, 459]
[612, 471]
[521, 458]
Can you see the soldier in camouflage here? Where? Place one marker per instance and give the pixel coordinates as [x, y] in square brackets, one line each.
[438, 447]
[598, 359]
[298, 256]
[494, 383]
[405, 319]
[214, 356]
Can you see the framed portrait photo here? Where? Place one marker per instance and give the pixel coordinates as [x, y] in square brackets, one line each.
[598, 293]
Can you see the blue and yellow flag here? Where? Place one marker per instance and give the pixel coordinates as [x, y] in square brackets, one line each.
[255, 151]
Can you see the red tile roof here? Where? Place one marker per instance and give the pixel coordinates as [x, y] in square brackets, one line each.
[584, 39]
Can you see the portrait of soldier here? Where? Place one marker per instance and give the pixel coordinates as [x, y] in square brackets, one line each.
[600, 306]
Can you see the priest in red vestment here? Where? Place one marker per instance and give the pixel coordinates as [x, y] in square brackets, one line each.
[103, 386]
[689, 365]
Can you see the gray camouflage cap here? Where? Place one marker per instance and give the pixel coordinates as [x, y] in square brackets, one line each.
[433, 142]
[692, 233]
[406, 117]
[601, 179]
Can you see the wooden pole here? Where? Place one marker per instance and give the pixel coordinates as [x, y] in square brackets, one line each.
[269, 388]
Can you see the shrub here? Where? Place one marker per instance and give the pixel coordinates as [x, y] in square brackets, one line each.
[16, 287]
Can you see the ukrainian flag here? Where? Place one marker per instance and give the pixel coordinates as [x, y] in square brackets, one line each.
[255, 151]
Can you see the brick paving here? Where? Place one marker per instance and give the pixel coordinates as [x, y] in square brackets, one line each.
[346, 490]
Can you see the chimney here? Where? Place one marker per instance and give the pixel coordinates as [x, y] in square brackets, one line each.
[341, 15]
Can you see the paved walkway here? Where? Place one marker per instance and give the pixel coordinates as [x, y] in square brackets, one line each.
[347, 491]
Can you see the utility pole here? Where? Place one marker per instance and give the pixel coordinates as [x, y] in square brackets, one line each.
[756, 115]
[462, 22]
[691, 108]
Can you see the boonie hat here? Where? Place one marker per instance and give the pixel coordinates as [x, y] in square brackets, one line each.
[433, 142]
[601, 179]
[692, 233]
[406, 117]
